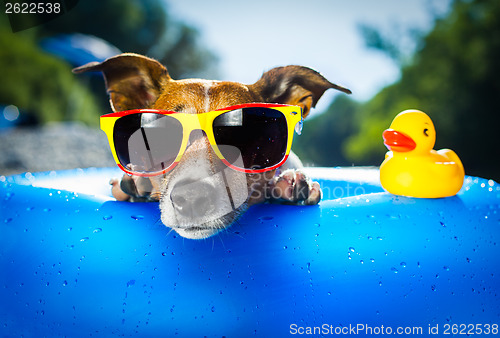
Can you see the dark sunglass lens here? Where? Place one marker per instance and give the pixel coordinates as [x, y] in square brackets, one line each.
[147, 142]
[257, 134]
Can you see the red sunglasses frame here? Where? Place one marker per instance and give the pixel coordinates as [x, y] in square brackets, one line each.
[203, 121]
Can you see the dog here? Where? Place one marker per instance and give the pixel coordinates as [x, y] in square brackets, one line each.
[193, 197]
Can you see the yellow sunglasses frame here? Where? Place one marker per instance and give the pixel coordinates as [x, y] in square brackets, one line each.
[203, 121]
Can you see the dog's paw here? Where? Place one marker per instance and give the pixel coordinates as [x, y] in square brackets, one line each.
[133, 189]
[293, 186]
[117, 191]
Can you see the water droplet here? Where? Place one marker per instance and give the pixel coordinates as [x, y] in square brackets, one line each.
[84, 239]
[107, 217]
[137, 217]
[65, 283]
[8, 196]
[362, 262]
[403, 264]
[393, 269]
[433, 287]
[308, 267]
[7, 220]
[380, 238]
[446, 268]
[130, 283]
[70, 228]
[163, 254]
[351, 249]
[372, 260]
[212, 309]
[96, 230]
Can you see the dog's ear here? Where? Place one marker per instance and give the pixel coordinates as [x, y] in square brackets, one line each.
[133, 81]
[295, 85]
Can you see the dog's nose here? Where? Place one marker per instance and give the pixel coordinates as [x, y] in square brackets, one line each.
[193, 198]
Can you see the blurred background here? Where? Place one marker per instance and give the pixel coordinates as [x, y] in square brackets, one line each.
[441, 57]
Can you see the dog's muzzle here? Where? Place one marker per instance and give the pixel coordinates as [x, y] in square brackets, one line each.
[199, 202]
[194, 199]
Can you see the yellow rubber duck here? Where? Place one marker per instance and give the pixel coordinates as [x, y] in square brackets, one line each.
[411, 167]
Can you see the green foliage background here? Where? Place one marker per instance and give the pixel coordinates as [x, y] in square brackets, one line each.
[453, 77]
[38, 82]
[43, 85]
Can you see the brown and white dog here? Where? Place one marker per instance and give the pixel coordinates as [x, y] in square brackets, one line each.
[191, 196]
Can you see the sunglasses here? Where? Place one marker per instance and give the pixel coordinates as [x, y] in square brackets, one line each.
[251, 138]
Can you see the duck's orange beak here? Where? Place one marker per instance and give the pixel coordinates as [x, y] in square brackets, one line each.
[397, 141]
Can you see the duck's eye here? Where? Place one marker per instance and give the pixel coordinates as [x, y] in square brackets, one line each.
[426, 132]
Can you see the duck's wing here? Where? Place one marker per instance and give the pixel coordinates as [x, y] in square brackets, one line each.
[452, 157]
